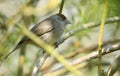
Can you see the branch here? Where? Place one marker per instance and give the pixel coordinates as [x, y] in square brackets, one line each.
[77, 52]
[94, 55]
[90, 56]
[91, 48]
[85, 27]
[100, 38]
[39, 63]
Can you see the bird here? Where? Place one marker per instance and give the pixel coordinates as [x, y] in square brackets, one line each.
[49, 30]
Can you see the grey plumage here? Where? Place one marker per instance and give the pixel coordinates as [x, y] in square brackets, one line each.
[49, 30]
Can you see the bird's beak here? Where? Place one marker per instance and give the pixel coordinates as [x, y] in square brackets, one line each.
[68, 22]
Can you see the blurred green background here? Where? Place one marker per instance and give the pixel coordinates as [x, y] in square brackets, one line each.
[13, 13]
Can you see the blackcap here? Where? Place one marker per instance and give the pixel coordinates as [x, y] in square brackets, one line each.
[49, 30]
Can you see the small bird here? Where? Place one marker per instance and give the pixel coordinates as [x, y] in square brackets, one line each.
[49, 30]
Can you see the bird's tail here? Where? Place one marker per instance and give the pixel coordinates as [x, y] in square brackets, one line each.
[11, 52]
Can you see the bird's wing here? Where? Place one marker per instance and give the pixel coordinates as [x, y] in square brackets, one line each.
[39, 29]
[43, 27]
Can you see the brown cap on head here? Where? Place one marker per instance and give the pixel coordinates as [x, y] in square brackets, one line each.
[62, 16]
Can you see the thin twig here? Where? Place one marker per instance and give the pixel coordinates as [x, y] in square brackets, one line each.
[21, 61]
[39, 63]
[100, 39]
[91, 48]
[114, 66]
[61, 6]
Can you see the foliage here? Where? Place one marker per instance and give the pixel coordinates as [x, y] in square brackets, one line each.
[85, 16]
